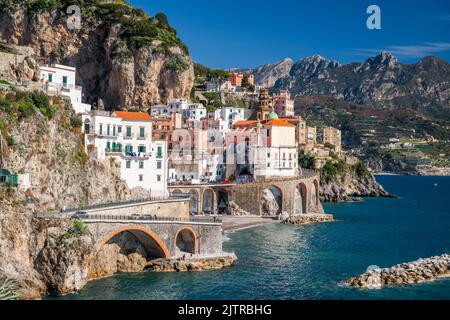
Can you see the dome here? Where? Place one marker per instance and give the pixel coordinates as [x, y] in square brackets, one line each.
[272, 116]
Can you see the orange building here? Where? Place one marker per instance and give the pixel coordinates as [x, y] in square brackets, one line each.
[236, 79]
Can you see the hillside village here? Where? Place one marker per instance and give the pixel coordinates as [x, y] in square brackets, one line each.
[183, 142]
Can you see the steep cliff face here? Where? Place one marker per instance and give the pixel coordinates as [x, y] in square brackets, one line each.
[46, 257]
[122, 56]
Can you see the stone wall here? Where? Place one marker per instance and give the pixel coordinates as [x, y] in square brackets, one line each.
[248, 196]
[174, 208]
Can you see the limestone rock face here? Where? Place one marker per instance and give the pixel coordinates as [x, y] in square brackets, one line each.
[63, 263]
[269, 205]
[352, 186]
[135, 79]
[17, 63]
[235, 210]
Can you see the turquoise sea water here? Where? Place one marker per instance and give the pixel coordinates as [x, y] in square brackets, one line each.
[309, 262]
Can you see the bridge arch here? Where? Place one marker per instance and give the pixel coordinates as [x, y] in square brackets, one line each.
[152, 243]
[315, 198]
[301, 197]
[194, 201]
[271, 200]
[185, 241]
[223, 198]
[208, 201]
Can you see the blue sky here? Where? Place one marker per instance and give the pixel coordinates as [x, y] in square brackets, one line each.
[248, 33]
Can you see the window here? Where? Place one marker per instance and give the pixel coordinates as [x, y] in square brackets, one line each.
[158, 178]
[50, 77]
[108, 129]
[141, 177]
[128, 149]
[268, 164]
[141, 164]
[159, 153]
[158, 164]
[142, 132]
[128, 132]
[108, 146]
[64, 81]
[114, 130]
[268, 155]
[119, 129]
[128, 164]
[142, 149]
[100, 130]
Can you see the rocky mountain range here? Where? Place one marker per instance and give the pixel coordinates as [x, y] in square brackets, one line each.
[381, 81]
[123, 56]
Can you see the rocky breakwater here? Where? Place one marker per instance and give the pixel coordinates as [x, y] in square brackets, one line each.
[192, 264]
[405, 273]
[307, 218]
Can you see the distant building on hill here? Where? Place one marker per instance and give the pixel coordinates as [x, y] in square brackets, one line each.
[333, 136]
[236, 79]
[60, 80]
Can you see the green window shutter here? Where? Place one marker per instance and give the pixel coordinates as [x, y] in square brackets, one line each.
[108, 146]
[159, 154]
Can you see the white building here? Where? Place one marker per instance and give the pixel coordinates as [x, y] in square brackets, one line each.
[278, 155]
[127, 138]
[61, 80]
[229, 115]
[220, 86]
[195, 111]
[262, 149]
[190, 111]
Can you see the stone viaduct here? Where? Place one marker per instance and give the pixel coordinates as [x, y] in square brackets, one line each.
[162, 225]
[293, 194]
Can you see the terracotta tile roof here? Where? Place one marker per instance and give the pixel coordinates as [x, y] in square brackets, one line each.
[278, 123]
[134, 116]
[241, 123]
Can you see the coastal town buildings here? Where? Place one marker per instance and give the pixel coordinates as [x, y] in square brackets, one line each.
[126, 137]
[58, 79]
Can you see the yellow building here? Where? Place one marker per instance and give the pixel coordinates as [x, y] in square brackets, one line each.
[333, 136]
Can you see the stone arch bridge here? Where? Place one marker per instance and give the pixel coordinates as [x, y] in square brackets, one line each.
[162, 226]
[293, 194]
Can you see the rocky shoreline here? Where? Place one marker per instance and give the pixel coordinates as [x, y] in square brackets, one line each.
[346, 188]
[308, 218]
[404, 273]
[191, 264]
